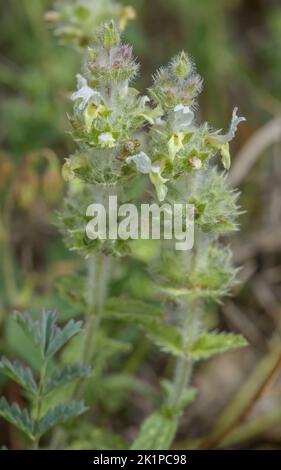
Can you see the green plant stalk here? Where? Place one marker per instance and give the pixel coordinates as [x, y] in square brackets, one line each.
[182, 378]
[38, 405]
[97, 287]
[189, 321]
[97, 284]
[98, 274]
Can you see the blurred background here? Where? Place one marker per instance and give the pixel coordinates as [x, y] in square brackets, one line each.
[236, 45]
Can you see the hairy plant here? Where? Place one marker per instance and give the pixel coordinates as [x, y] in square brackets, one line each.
[126, 143]
[186, 153]
[179, 157]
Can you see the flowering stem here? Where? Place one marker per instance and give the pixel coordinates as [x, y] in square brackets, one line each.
[98, 271]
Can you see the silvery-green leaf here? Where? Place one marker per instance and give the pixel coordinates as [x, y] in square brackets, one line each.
[62, 335]
[64, 376]
[21, 375]
[45, 333]
[60, 414]
[41, 331]
[18, 417]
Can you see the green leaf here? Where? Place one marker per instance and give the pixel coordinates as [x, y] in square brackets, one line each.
[187, 397]
[62, 336]
[133, 310]
[168, 338]
[19, 418]
[157, 433]
[45, 333]
[209, 344]
[41, 331]
[19, 374]
[61, 413]
[64, 376]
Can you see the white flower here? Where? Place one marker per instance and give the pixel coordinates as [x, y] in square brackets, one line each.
[182, 119]
[144, 165]
[84, 93]
[221, 141]
[224, 138]
[106, 139]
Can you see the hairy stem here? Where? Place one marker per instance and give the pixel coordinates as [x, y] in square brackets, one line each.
[182, 377]
[189, 322]
[97, 283]
[98, 271]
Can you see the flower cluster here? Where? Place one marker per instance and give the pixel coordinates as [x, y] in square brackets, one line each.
[75, 21]
[178, 145]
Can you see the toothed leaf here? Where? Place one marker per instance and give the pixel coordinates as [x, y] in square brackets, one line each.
[168, 338]
[209, 344]
[61, 413]
[64, 376]
[19, 374]
[133, 310]
[62, 336]
[45, 333]
[18, 417]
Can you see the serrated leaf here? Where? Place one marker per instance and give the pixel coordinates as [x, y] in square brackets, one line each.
[19, 374]
[168, 338]
[157, 433]
[64, 376]
[62, 336]
[133, 310]
[46, 334]
[61, 413]
[18, 417]
[209, 344]
[41, 331]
